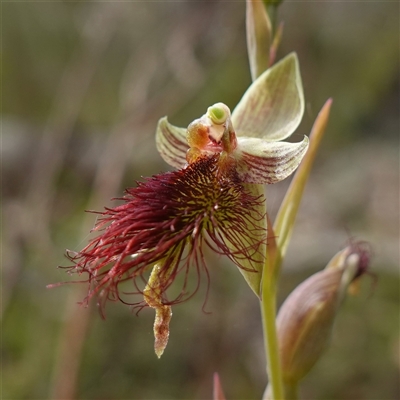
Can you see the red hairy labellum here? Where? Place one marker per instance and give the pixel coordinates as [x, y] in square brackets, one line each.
[165, 220]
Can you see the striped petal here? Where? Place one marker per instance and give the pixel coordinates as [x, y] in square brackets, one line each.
[260, 161]
[273, 105]
[171, 143]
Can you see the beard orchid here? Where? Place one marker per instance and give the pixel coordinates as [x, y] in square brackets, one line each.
[214, 199]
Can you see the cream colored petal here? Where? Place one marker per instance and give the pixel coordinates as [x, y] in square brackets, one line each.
[171, 143]
[273, 105]
[260, 161]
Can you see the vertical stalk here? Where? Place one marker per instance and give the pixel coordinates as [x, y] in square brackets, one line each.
[259, 40]
[292, 391]
[272, 11]
[268, 312]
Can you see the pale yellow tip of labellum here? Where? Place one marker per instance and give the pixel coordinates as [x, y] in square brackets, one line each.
[161, 329]
[152, 295]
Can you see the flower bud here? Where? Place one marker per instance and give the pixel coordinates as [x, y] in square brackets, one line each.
[306, 318]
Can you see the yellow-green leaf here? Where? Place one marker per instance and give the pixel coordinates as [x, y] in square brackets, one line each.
[286, 216]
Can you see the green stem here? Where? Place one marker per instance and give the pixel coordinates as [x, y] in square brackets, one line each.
[268, 311]
[272, 11]
[292, 391]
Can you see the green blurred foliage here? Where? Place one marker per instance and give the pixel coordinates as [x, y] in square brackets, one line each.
[83, 86]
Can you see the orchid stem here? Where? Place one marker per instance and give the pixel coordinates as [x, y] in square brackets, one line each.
[292, 391]
[268, 311]
[272, 11]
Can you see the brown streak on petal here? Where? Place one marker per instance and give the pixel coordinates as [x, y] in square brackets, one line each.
[272, 169]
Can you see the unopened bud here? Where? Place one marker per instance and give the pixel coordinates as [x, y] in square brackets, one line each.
[306, 318]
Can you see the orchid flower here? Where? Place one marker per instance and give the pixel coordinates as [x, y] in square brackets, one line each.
[213, 199]
[269, 112]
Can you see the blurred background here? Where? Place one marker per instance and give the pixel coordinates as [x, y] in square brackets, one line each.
[83, 86]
